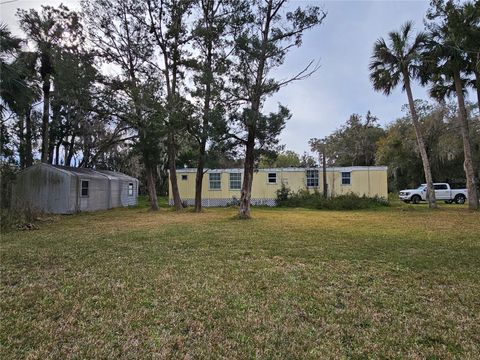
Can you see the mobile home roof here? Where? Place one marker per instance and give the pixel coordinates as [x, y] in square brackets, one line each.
[293, 169]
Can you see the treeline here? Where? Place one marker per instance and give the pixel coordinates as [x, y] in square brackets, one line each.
[361, 141]
[128, 83]
[445, 58]
[148, 86]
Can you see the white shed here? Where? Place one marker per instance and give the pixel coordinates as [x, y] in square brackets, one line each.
[66, 190]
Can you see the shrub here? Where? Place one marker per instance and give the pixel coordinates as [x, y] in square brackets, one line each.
[304, 198]
[283, 193]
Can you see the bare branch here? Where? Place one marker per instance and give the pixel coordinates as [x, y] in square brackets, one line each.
[303, 74]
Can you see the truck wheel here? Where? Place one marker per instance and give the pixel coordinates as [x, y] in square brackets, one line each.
[460, 199]
[415, 199]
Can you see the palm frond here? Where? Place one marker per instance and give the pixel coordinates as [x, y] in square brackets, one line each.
[397, 44]
[419, 45]
[9, 43]
[390, 60]
[406, 28]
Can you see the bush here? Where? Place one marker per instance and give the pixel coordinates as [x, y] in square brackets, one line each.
[304, 198]
[283, 193]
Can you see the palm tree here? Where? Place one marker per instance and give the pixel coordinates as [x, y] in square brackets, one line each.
[48, 29]
[399, 61]
[470, 14]
[17, 90]
[445, 63]
[9, 82]
[461, 21]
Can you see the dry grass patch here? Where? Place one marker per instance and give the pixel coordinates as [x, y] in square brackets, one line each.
[129, 283]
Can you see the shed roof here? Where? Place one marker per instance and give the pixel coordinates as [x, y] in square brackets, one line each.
[79, 171]
[88, 172]
[290, 169]
[116, 175]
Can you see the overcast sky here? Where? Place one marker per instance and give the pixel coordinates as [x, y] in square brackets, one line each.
[343, 45]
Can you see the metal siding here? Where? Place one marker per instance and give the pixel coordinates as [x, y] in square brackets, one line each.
[127, 200]
[115, 193]
[119, 188]
[98, 194]
[369, 181]
[43, 188]
[56, 190]
[73, 195]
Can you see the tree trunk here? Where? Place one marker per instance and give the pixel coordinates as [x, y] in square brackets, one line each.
[57, 153]
[85, 153]
[69, 153]
[152, 191]
[477, 83]
[477, 78]
[54, 135]
[248, 167]
[177, 201]
[246, 194]
[432, 203]
[324, 165]
[204, 134]
[199, 178]
[45, 118]
[51, 151]
[468, 163]
[28, 139]
[21, 144]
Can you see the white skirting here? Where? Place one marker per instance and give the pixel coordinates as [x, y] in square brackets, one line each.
[227, 202]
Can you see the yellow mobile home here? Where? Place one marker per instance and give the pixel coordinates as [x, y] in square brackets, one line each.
[222, 186]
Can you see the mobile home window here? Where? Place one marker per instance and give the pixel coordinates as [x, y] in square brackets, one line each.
[130, 189]
[84, 190]
[312, 178]
[184, 177]
[235, 181]
[214, 180]
[272, 178]
[346, 179]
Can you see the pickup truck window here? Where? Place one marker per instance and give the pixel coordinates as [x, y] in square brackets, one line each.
[440, 187]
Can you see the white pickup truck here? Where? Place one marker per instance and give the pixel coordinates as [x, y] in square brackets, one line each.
[442, 192]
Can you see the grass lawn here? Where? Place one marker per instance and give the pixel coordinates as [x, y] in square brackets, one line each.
[400, 282]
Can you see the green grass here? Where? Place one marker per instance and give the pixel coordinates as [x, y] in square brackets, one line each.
[400, 282]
